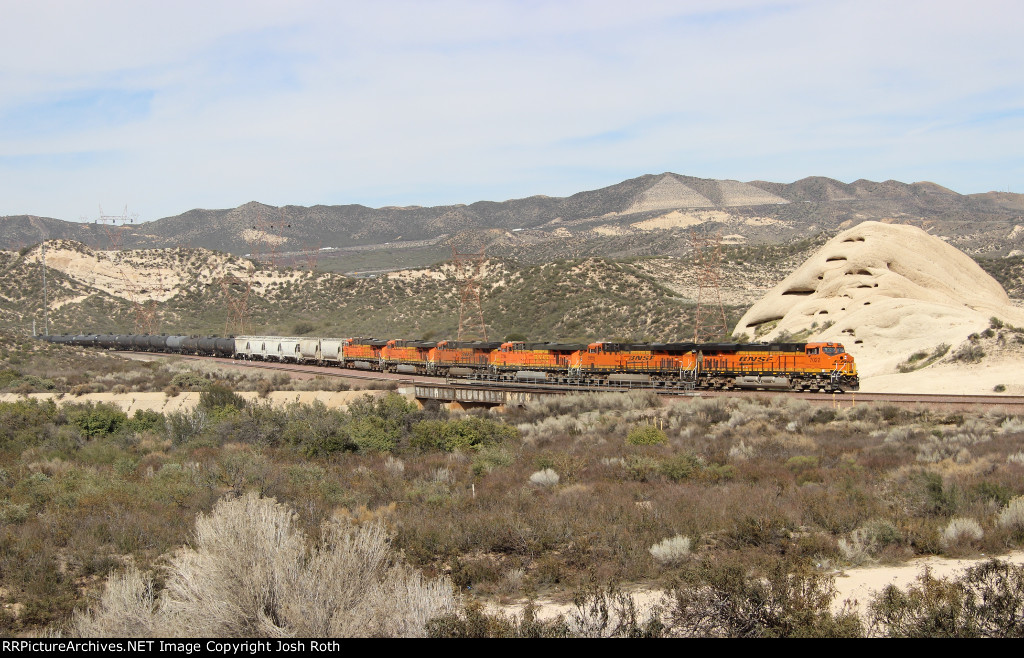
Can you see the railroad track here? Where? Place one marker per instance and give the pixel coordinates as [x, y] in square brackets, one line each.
[1013, 403]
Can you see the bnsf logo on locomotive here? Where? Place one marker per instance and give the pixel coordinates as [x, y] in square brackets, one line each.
[755, 359]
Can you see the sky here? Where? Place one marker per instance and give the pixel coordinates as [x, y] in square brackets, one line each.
[161, 107]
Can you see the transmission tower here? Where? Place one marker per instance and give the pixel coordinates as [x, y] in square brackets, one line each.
[310, 255]
[143, 298]
[46, 302]
[709, 320]
[237, 289]
[115, 230]
[236, 293]
[140, 295]
[471, 310]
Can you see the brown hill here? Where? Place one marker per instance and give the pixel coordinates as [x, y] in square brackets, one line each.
[648, 215]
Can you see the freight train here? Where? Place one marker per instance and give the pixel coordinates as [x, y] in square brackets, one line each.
[820, 366]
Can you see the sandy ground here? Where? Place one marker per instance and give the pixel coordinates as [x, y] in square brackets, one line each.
[978, 379]
[130, 402]
[858, 586]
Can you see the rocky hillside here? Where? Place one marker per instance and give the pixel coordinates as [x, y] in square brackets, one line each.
[192, 290]
[649, 215]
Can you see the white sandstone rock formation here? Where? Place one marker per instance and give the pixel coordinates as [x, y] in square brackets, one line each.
[886, 291]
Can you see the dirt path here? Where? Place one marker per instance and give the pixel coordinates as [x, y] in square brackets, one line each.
[857, 585]
[861, 584]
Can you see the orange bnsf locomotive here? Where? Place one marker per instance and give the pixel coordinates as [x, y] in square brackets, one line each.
[786, 366]
[819, 366]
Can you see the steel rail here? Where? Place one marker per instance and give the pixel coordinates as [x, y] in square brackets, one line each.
[958, 401]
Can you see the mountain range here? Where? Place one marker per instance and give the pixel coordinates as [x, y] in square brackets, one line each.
[648, 215]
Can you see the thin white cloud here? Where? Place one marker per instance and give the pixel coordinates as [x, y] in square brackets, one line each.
[448, 102]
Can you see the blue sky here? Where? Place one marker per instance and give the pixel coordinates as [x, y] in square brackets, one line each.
[171, 106]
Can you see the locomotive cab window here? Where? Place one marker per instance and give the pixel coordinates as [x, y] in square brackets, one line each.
[812, 350]
[831, 351]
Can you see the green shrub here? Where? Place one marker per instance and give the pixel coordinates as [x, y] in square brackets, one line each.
[802, 463]
[646, 435]
[184, 426]
[13, 513]
[641, 468]
[32, 383]
[987, 601]
[473, 622]
[917, 356]
[992, 491]
[25, 416]
[715, 599]
[316, 430]
[145, 420]
[372, 434]
[189, 381]
[969, 353]
[217, 397]
[379, 424]
[96, 420]
[681, 467]
[460, 434]
[8, 377]
[718, 472]
[490, 458]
